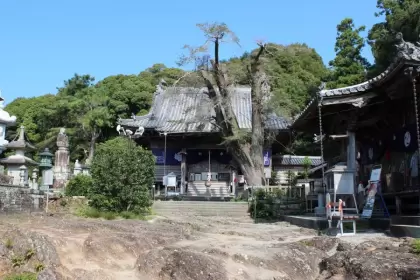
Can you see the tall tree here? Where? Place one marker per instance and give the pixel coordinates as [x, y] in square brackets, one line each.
[246, 149]
[75, 84]
[349, 66]
[92, 105]
[400, 16]
[294, 71]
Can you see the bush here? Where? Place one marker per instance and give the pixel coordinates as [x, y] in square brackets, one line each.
[90, 212]
[415, 247]
[122, 175]
[22, 276]
[79, 185]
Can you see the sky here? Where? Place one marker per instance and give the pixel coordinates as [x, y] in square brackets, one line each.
[45, 42]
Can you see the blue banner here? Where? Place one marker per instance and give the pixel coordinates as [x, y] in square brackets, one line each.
[267, 157]
[173, 157]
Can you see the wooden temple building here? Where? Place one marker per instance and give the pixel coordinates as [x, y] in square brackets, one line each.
[378, 123]
[181, 133]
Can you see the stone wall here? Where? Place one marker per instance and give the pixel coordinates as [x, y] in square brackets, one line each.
[19, 199]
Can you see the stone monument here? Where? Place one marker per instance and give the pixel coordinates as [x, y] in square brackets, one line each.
[62, 160]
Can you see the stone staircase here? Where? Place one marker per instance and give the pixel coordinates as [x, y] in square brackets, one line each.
[405, 226]
[217, 189]
[201, 208]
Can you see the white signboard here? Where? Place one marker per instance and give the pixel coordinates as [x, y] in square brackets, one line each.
[344, 183]
[47, 176]
[375, 175]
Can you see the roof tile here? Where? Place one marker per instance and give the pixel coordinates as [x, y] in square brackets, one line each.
[179, 110]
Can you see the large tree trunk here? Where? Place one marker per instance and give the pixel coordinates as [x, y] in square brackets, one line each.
[257, 75]
[247, 154]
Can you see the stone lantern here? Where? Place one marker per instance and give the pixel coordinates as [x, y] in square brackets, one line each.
[46, 159]
[23, 169]
[35, 179]
[46, 168]
[14, 163]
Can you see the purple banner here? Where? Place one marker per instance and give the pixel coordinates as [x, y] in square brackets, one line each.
[267, 157]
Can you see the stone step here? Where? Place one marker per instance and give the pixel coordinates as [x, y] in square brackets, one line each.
[206, 198]
[217, 189]
[201, 208]
[211, 204]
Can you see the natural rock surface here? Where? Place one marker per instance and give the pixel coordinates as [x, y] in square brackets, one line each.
[189, 248]
[373, 260]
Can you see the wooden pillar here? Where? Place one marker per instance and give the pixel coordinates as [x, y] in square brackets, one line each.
[351, 152]
[183, 169]
[398, 205]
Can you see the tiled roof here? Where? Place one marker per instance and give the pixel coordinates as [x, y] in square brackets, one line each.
[295, 160]
[407, 54]
[182, 110]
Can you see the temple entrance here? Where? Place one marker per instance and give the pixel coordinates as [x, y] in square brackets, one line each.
[209, 172]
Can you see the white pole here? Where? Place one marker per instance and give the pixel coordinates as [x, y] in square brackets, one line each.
[48, 197]
[164, 159]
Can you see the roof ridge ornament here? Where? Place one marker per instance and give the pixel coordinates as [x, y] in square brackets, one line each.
[404, 47]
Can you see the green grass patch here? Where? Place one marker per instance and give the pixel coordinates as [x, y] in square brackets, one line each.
[308, 243]
[90, 212]
[415, 247]
[21, 276]
[8, 243]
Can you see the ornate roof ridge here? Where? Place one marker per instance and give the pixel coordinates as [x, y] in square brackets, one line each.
[406, 52]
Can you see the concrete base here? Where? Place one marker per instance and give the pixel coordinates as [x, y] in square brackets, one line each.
[306, 221]
[405, 226]
[321, 223]
[405, 220]
[405, 231]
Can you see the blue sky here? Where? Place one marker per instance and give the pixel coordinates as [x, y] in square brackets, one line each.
[45, 42]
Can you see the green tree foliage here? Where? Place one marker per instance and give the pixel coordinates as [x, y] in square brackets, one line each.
[295, 72]
[75, 84]
[128, 94]
[400, 16]
[349, 66]
[79, 185]
[89, 111]
[122, 176]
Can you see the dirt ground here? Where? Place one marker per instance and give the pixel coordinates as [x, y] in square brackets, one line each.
[186, 247]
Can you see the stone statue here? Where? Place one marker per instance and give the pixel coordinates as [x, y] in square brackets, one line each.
[62, 139]
[404, 47]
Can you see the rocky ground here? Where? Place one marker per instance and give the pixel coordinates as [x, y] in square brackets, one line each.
[184, 248]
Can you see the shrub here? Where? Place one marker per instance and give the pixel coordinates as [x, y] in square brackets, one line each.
[88, 212]
[21, 276]
[122, 175]
[415, 247]
[79, 185]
